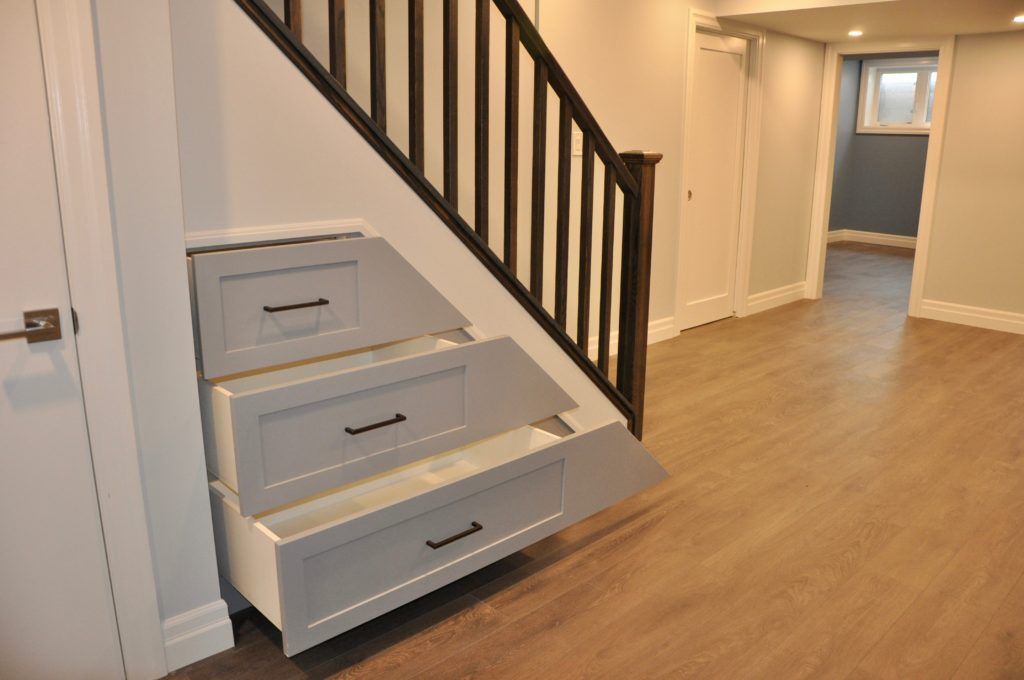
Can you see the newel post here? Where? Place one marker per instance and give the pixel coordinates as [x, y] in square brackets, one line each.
[635, 294]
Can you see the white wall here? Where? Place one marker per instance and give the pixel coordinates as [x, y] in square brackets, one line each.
[139, 121]
[976, 248]
[789, 137]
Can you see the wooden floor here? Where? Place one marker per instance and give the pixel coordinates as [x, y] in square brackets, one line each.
[846, 500]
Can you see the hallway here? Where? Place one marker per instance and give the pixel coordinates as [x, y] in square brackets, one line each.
[846, 499]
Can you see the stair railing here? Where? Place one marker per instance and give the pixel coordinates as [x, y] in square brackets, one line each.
[632, 173]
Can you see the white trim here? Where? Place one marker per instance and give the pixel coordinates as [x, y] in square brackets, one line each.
[69, 61]
[870, 87]
[769, 299]
[756, 39]
[826, 157]
[943, 87]
[657, 331]
[206, 238]
[872, 237]
[993, 319]
[197, 634]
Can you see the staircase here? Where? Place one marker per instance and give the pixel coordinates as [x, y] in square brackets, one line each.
[625, 226]
[379, 419]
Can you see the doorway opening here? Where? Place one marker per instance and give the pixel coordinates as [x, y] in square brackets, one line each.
[883, 115]
[883, 121]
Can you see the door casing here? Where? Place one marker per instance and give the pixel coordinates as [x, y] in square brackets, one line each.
[76, 126]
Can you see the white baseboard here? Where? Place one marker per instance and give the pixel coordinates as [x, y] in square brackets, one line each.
[657, 330]
[197, 634]
[769, 299]
[872, 237]
[993, 319]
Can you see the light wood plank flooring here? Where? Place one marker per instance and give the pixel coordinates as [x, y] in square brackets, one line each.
[846, 500]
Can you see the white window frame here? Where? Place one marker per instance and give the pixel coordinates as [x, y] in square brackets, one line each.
[870, 81]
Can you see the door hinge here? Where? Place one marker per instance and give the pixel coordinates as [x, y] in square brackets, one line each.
[74, 320]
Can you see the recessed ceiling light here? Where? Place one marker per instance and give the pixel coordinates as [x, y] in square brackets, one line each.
[1019, 19]
[857, 34]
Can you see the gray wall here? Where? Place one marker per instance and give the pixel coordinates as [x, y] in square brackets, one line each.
[878, 178]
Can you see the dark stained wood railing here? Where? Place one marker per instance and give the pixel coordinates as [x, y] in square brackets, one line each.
[336, 39]
[631, 173]
[416, 138]
[512, 145]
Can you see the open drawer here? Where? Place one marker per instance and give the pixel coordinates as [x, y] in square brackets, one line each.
[270, 305]
[279, 436]
[327, 565]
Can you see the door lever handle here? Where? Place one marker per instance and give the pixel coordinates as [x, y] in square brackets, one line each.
[41, 325]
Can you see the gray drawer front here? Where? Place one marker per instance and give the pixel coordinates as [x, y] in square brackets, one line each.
[344, 577]
[290, 440]
[320, 598]
[366, 294]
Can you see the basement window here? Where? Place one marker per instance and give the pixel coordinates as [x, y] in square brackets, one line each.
[896, 96]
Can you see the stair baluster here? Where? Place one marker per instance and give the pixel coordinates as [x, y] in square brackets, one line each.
[631, 173]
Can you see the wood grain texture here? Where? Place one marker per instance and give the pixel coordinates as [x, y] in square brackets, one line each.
[416, 138]
[511, 180]
[481, 123]
[538, 182]
[586, 240]
[562, 211]
[336, 39]
[378, 65]
[293, 16]
[635, 283]
[450, 98]
[845, 499]
[511, 195]
[604, 319]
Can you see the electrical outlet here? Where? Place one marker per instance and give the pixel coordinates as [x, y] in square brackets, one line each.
[577, 142]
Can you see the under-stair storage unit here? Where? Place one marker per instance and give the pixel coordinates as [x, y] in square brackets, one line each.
[355, 468]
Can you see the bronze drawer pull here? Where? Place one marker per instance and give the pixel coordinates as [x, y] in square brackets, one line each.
[302, 305]
[384, 423]
[474, 527]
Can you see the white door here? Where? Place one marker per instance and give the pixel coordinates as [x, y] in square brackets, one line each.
[56, 608]
[714, 162]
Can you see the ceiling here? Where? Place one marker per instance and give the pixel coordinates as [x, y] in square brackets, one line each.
[892, 20]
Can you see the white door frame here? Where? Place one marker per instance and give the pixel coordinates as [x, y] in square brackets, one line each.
[755, 37]
[824, 166]
[73, 94]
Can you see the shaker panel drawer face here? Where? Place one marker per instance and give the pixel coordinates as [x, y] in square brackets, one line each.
[277, 437]
[266, 306]
[345, 576]
[313, 436]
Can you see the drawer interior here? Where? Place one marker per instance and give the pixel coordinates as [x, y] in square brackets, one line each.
[367, 495]
[343, 362]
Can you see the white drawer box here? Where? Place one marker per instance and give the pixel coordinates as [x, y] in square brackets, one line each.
[270, 305]
[322, 567]
[279, 436]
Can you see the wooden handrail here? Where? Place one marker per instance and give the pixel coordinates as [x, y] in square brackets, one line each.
[292, 47]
